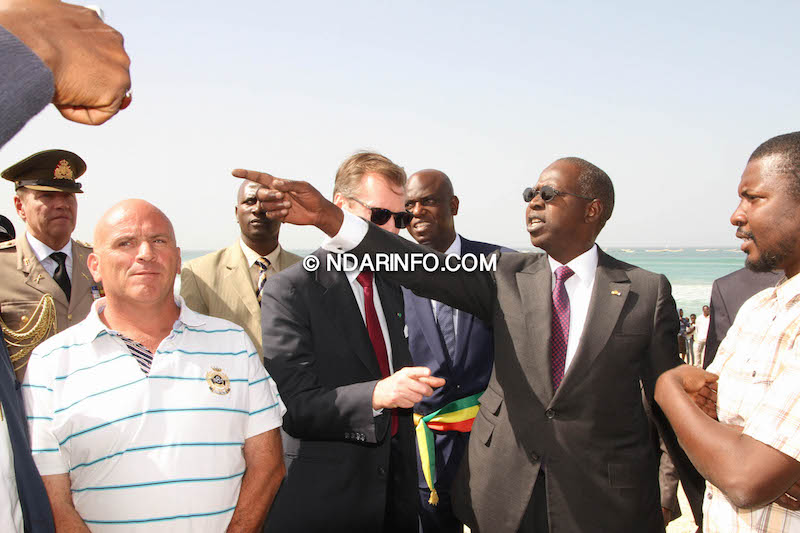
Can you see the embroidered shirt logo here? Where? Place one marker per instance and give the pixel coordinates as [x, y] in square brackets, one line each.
[218, 381]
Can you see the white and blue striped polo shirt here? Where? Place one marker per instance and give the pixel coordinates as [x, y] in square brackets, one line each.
[161, 451]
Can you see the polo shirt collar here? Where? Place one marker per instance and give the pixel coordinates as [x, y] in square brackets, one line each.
[92, 325]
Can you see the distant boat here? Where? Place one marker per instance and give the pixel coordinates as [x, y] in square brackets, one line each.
[664, 250]
[627, 250]
[703, 250]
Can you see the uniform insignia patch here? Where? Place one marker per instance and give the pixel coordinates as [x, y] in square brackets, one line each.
[218, 381]
[63, 171]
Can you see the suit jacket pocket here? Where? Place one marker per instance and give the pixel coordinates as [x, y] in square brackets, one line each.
[482, 430]
[623, 475]
[491, 401]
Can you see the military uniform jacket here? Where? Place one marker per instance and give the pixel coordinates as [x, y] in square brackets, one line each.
[25, 282]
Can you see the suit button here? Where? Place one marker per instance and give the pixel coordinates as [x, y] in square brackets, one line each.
[550, 414]
[381, 471]
[534, 457]
[24, 318]
[69, 316]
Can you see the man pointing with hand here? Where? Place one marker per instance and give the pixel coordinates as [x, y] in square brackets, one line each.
[334, 343]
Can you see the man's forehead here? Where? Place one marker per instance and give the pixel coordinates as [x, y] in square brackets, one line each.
[559, 173]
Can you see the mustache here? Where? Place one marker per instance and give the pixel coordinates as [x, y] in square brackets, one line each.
[741, 234]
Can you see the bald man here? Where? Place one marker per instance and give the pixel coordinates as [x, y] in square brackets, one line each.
[228, 283]
[145, 393]
[454, 344]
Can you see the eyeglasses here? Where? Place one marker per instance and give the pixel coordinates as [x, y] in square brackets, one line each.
[381, 216]
[548, 193]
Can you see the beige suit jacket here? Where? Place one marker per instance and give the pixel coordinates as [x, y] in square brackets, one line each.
[25, 282]
[219, 284]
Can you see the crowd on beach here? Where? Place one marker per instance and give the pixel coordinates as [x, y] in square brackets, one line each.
[504, 392]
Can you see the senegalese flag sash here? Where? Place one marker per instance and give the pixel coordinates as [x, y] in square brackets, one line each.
[455, 416]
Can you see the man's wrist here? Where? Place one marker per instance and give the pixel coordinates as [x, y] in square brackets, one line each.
[330, 221]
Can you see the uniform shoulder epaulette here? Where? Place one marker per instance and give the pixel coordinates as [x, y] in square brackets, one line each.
[84, 244]
[8, 244]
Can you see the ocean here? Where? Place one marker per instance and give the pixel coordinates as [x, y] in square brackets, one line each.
[691, 271]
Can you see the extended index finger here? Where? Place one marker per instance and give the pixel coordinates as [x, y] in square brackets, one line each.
[253, 175]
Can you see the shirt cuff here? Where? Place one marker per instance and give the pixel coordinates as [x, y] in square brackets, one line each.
[350, 235]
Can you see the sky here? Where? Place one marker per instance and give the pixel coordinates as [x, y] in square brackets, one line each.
[669, 100]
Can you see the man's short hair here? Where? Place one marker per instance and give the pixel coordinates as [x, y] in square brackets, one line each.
[593, 182]
[348, 177]
[787, 146]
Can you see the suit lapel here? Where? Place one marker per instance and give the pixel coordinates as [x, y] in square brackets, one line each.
[238, 275]
[81, 278]
[340, 305]
[611, 288]
[395, 322]
[38, 278]
[423, 313]
[534, 286]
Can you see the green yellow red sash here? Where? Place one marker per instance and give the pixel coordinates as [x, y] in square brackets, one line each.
[455, 416]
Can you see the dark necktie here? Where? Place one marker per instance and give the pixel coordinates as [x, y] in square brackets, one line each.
[60, 275]
[559, 328]
[444, 318]
[375, 334]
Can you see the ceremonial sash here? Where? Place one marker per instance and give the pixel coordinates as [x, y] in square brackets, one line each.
[455, 416]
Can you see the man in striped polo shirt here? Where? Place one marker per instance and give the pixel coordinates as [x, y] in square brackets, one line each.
[147, 415]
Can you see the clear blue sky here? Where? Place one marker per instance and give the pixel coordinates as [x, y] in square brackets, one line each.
[670, 101]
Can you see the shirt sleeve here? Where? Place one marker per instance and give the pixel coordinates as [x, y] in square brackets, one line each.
[38, 397]
[350, 235]
[26, 85]
[264, 400]
[776, 419]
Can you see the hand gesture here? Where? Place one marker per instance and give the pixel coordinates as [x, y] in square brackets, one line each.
[405, 388]
[700, 385]
[87, 58]
[295, 202]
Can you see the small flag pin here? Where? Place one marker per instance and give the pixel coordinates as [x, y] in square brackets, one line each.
[616, 293]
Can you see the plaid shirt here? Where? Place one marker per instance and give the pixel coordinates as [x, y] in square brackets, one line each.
[759, 388]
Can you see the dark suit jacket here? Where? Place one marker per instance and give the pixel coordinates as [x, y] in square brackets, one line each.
[337, 453]
[466, 373]
[591, 436]
[728, 293]
[35, 505]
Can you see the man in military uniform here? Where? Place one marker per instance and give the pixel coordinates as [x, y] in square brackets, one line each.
[46, 285]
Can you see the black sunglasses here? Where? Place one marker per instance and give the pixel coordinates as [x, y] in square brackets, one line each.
[381, 216]
[548, 193]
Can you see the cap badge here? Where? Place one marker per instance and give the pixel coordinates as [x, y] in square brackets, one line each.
[218, 381]
[63, 171]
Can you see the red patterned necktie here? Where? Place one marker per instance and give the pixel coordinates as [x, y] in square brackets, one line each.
[559, 328]
[375, 334]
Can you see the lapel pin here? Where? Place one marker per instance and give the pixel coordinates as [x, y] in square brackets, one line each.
[38, 278]
[616, 293]
[399, 315]
[26, 261]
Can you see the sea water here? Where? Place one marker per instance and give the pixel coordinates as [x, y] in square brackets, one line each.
[690, 271]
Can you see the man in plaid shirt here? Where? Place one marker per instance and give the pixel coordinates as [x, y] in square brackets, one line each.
[750, 454]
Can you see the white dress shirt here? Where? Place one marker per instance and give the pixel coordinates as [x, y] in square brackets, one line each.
[579, 289]
[252, 256]
[42, 252]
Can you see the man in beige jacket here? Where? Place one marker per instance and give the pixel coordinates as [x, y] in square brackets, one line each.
[46, 285]
[227, 283]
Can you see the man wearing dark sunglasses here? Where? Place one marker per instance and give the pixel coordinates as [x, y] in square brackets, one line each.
[561, 441]
[334, 343]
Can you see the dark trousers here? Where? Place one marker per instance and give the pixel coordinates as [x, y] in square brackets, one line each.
[535, 518]
[437, 518]
[401, 507]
